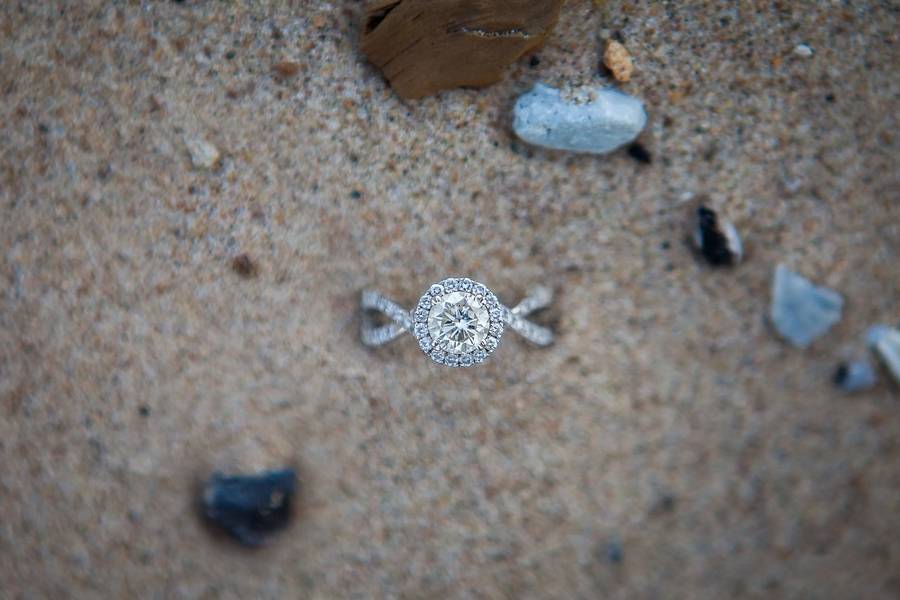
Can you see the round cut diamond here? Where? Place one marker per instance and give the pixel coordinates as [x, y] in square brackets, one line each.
[458, 323]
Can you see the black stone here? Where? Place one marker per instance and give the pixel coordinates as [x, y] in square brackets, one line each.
[250, 507]
[713, 244]
[841, 375]
[638, 152]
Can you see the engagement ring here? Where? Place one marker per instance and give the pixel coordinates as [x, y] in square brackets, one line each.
[458, 322]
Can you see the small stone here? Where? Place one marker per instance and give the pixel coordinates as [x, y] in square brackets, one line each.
[286, 68]
[243, 265]
[613, 552]
[885, 341]
[802, 312]
[203, 154]
[875, 334]
[856, 376]
[717, 239]
[595, 120]
[618, 61]
[803, 51]
[250, 507]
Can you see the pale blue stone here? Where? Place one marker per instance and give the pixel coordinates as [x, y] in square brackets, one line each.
[857, 376]
[876, 333]
[801, 311]
[595, 120]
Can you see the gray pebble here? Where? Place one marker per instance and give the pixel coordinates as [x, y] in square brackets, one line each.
[802, 312]
[203, 154]
[588, 119]
[856, 376]
[250, 507]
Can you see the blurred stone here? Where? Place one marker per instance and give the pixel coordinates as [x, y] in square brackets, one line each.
[802, 312]
[885, 341]
[717, 239]
[203, 154]
[856, 376]
[250, 507]
[590, 119]
[803, 51]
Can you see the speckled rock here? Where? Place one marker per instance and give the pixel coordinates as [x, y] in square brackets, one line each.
[595, 120]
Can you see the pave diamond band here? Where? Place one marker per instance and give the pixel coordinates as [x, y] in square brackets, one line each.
[457, 322]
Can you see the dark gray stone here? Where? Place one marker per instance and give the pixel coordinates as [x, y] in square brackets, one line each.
[250, 507]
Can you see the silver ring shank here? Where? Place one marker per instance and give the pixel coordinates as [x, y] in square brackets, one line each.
[402, 321]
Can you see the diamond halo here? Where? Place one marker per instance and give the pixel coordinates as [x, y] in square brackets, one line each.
[458, 322]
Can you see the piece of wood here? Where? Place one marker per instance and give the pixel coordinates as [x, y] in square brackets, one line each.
[424, 46]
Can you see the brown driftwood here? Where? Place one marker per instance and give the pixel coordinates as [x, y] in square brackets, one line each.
[424, 46]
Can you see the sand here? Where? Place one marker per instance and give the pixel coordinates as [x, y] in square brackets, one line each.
[668, 446]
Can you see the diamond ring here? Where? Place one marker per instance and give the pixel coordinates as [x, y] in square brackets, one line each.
[458, 322]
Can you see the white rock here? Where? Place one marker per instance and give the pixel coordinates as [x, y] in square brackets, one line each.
[886, 343]
[203, 154]
[803, 50]
[596, 120]
[801, 311]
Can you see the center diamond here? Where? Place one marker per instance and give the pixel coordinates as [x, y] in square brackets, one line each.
[458, 323]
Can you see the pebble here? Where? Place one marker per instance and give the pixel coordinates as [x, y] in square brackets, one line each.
[802, 312]
[286, 68]
[203, 154]
[250, 507]
[885, 341]
[589, 119]
[244, 266]
[717, 239]
[618, 61]
[856, 376]
[803, 50]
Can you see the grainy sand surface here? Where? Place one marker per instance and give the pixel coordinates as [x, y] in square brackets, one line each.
[668, 446]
